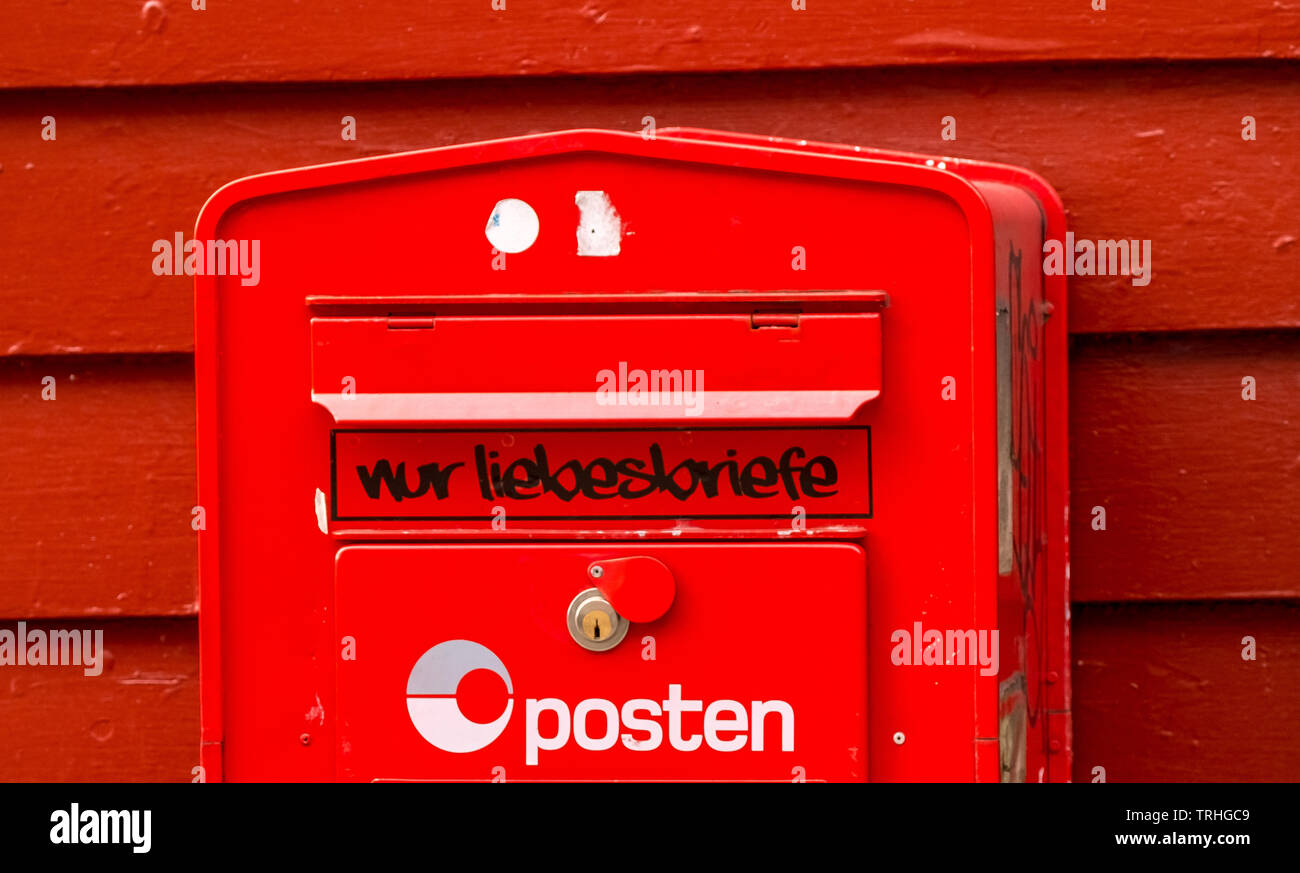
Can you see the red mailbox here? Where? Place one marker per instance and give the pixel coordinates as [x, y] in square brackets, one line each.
[591, 456]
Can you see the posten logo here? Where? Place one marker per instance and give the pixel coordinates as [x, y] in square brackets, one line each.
[728, 725]
[431, 696]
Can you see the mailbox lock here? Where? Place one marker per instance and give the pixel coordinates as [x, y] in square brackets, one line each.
[593, 622]
[634, 588]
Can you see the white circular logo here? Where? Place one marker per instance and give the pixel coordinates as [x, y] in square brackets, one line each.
[431, 696]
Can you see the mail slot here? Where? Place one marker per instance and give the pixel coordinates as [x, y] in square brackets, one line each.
[587, 456]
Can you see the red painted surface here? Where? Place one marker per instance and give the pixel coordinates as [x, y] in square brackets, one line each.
[943, 248]
[817, 673]
[1218, 531]
[1163, 694]
[124, 42]
[96, 488]
[640, 589]
[833, 370]
[1135, 152]
[1198, 484]
[137, 720]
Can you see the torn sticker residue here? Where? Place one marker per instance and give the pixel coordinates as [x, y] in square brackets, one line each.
[600, 229]
[322, 512]
[513, 226]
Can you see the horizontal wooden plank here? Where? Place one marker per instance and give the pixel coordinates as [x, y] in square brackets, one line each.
[1163, 694]
[138, 720]
[1200, 488]
[1198, 485]
[130, 42]
[1136, 152]
[97, 487]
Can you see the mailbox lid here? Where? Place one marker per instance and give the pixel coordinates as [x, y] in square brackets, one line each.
[775, 364]
[772, 629]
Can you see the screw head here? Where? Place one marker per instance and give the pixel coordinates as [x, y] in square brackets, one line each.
[597, 571]
[899, 739]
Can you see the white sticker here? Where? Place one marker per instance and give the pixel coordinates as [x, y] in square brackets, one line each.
[322, 512]
[513, 226]
[600, 229]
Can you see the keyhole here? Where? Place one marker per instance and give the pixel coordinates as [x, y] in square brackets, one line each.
[593, 623]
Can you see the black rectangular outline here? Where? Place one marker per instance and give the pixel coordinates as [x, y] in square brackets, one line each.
[334, 491]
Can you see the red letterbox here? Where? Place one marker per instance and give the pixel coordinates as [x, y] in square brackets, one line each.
[592, 456]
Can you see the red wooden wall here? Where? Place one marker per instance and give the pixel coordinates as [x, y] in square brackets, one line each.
[1135, 115]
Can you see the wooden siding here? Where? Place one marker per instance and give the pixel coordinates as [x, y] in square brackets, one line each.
[1202, 538]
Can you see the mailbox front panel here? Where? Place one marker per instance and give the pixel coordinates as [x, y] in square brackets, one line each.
[737, 681]
[415, 431]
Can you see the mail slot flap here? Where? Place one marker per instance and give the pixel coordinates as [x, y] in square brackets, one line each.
[776, 364]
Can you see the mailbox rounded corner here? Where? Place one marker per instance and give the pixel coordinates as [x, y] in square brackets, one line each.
[344, 554]
[229, 195]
